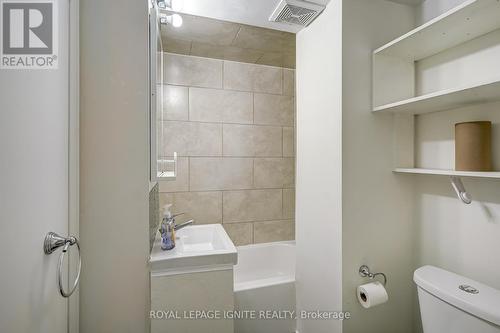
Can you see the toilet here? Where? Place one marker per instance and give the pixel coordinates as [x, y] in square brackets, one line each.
[453, 303]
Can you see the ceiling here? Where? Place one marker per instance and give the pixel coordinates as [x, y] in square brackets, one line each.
[205, 37]
[251, 12]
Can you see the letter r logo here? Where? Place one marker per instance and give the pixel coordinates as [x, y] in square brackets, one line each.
[27, 27]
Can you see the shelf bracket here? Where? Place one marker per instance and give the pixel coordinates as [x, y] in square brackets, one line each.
[459, 188]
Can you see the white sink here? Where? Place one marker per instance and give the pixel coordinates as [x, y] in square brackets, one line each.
[198, 248]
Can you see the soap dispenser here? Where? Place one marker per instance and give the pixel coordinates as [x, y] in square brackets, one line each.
[167, 229]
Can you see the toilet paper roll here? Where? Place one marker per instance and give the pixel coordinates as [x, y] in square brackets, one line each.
[372, 294]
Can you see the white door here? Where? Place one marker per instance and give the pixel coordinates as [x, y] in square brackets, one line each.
[34, 164]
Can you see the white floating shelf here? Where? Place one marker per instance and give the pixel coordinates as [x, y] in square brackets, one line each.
[440, 172]
[446, 99]
[471, 19]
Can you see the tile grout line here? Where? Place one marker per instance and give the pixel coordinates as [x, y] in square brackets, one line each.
[230, 156]
[230, 190]
[227, 123]
[180, 55]
[261, 221]
[236, 35]
[225, 89]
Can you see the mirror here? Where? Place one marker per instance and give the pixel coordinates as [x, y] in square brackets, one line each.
[162, 167]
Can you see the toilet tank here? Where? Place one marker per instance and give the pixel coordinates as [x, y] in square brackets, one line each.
[453, 303]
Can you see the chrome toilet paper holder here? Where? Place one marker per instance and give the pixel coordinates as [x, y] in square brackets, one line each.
[364, 271]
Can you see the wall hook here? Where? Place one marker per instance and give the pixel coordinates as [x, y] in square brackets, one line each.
[459, 188]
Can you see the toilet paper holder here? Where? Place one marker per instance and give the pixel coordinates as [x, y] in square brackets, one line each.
[364, 271]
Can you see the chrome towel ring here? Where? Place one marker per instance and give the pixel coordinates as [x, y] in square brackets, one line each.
[52, 242]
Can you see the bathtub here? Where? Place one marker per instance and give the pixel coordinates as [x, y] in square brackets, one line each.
[264, 279]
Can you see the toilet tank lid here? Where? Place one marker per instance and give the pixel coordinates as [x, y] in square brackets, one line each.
[446, 285]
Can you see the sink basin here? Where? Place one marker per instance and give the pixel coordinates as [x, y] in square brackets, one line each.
[198, 248]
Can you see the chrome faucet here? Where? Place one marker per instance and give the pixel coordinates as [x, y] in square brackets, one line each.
[182, 225]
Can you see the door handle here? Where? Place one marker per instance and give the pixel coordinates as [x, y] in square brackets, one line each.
[51, 243]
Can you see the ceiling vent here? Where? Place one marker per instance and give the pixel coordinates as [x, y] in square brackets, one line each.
[296, 12]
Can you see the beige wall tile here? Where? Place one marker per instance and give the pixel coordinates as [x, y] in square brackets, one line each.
[232, 53]
[181, 182]
[175, 103]
[178, 46]
[240, 233]
[289, 82]
[252, 205]
[290, 61]
[249, 140]
[248, 77]
[192, 139]
[207, 50]
[272, 59]
[274, 231]
[203, 29]
[274, 110]
[264, 39]
[192, 71]
[204, 207]
[234, 168]
[215, 105]
[220, 173]
[274, 172]
[225, 52]
[288, 142]
[289, 203]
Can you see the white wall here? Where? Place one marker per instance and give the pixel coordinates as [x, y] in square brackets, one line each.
[451, 235]
[473, 62]
[255, 12]
[377, 205]
[458, 232]
[114, 288]
[318, 182]
[430, 9]
[457, 237]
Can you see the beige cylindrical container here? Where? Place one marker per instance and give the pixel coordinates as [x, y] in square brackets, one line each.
[473, 146]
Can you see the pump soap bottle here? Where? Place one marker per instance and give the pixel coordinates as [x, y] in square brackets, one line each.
[167, 229]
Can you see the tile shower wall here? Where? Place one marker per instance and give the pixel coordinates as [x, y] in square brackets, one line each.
[232, 125]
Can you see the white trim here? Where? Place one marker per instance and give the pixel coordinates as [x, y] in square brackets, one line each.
[441, 172]
[74, 154]
[190, 270]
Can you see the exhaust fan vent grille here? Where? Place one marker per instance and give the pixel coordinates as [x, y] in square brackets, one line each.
[296, 12]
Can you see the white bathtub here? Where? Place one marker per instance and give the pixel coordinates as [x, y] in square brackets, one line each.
[264, 279]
